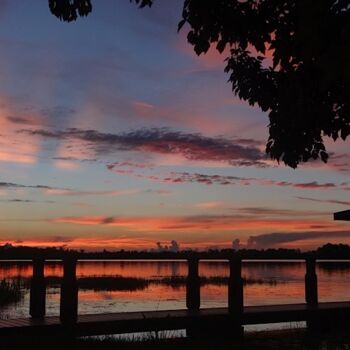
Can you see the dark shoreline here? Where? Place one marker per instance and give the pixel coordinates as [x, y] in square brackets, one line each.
[327, 251]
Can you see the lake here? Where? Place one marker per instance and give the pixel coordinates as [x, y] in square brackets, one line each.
[267, 282]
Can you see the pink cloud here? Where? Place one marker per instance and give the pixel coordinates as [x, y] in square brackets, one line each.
[200, 223]
[13, 148]
[210, 205]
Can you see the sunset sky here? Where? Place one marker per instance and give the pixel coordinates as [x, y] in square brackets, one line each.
[114, 134]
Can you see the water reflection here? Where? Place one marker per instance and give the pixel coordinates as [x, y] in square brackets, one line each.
[159, 285]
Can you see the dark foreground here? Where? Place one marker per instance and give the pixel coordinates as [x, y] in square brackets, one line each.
[286, 339]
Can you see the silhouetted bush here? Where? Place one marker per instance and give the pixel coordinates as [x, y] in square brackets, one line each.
[114, 283]
[9, 292]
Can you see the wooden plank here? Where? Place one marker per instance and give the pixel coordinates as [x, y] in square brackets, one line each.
[13, 323]
[52, 320]
[6, 324]
[114, 323]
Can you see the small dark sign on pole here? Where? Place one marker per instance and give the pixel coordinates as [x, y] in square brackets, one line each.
[342, 215]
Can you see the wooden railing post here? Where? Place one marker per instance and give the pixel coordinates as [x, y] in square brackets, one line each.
[193, 284]
[313, 322]
[69, 293]
[235, 294]
[311, 292]
[37, 289]
[235, 287]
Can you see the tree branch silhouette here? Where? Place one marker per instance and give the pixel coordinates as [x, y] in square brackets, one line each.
[70, 10]
[290, 58]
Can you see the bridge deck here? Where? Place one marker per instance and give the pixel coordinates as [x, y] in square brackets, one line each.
[129, 322]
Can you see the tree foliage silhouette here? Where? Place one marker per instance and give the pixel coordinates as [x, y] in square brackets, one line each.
[69, 10]
[289, 57]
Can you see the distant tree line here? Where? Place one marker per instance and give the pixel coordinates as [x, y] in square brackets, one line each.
[327, 251]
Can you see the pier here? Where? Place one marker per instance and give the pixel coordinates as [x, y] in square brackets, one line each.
[196, 320]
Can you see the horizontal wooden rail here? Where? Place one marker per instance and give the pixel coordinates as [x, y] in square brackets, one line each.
[238, 314]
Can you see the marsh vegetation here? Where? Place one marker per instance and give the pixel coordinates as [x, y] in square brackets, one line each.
[10, 292]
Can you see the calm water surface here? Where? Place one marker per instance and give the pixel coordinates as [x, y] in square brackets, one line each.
[270, 283]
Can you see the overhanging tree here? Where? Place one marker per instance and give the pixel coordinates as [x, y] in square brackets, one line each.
[291, 58]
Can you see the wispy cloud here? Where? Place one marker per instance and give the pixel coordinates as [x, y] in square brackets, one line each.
[159, 192]
[271, 240]
[17, 200]
[75, 159]
[22, 120]
[191, 146]
[105, 193]
[49, 190]
[268, 212]
[183, 177]
[313, 185]
[328, 201]
[130, 164]
[209, 179]
[198, 223]
[16, 185]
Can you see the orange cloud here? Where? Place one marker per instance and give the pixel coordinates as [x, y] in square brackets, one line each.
[66, 165]
[96, 243]
[201, 223]
[210, 205]
[90, 243]
[14, 157]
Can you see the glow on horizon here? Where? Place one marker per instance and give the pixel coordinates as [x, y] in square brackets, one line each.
[114, 134]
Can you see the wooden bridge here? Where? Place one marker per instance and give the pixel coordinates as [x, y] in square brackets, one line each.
[195, 320]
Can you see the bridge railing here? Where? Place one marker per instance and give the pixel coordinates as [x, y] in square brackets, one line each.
[69, 289]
